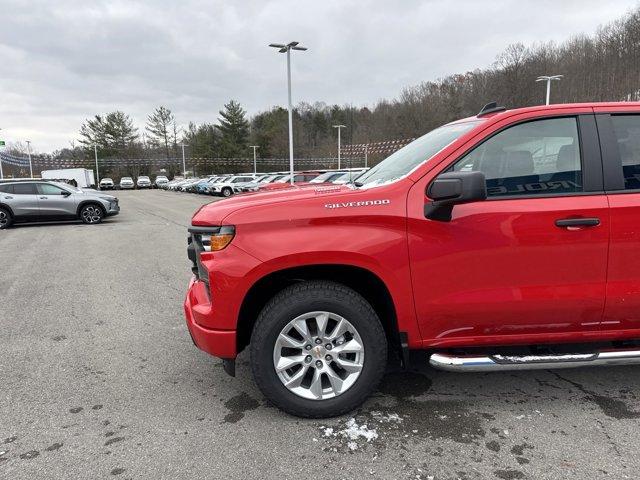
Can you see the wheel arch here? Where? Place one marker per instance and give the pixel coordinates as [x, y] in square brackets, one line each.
[7, 207]
[363, 281]
[90, 202]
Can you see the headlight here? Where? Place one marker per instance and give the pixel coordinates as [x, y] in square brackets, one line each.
[212, 239]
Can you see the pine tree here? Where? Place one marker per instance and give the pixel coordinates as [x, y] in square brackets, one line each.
[159, 125]
[234, 130]
[112, 133]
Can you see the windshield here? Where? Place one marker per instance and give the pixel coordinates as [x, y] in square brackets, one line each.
[142, 177]
[401, 163]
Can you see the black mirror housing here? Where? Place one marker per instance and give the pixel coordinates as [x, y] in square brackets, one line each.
[454, 188]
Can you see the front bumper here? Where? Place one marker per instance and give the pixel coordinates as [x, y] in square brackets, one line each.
[197, 309]
[112, 208]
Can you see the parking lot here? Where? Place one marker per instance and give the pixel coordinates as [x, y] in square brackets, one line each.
[100, 379]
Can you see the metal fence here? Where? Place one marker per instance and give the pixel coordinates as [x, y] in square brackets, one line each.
[353, 156]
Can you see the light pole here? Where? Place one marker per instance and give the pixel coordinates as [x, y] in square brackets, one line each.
[255, 170]
[365, 155]
[95, 152]
[29, 152]
[287, 49]
[339, 127]
[549, 79]
[1, 173]
[184, 165]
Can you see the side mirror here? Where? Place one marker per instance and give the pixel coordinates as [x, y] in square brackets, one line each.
[453, 188]
[65, 193]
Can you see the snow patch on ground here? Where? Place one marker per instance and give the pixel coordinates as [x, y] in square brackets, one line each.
[353, 431]
[390, 418]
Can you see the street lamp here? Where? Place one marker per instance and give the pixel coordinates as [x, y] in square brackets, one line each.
[1, 173]
[254, 158]
[29, 152]
[549, 79]
[184, 165]
[95, 152]
[287, 49]
[339, 127]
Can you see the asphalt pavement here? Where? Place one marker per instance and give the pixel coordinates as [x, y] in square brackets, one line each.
[99, 379]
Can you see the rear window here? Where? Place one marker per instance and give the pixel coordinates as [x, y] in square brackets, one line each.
[627, 132]
[24, 189]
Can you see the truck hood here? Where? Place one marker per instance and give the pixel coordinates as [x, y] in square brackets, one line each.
[214, 213]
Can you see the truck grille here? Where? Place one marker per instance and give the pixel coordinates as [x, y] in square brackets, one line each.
[194, 249]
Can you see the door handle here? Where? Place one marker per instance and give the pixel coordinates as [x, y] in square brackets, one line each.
[43, 198]
[8, 198]
[578, 222]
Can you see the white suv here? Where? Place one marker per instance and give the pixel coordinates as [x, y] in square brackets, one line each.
[161, 181]
[143, 182]
[106, 184]
[225, 187]
[126, 183]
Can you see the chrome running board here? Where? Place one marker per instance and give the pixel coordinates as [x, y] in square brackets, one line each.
[492, 363]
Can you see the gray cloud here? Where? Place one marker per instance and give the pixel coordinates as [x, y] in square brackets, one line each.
[64, 61]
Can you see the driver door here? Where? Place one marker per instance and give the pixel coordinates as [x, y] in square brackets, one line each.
[55, 202]
[508, 269]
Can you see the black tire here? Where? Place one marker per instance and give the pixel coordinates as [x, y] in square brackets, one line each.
[91, 214]
[307, 297]
[6, 219]
[227, 192]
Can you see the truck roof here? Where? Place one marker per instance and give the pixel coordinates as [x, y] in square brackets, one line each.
[541, 108]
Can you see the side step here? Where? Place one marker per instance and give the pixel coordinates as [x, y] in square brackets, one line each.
[493, 363]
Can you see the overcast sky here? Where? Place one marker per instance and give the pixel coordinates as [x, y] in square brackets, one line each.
[64, 61]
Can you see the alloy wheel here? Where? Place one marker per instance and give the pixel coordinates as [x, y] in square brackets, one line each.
[4, 219]
[91, 214]
[318, 355]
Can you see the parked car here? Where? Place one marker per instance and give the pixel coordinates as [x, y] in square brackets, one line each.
[106, 184]
[176, 186]
[285, 182]
[126, 183]
[160, 181]
[225, 187]
[38, 200]
[503, 241]
[239, 186]
[188, 185]
[143, 181]
[254, 185]
[203, 185]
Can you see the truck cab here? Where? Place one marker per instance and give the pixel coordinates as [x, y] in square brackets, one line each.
[501, 241]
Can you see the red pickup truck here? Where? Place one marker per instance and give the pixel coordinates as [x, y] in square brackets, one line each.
[503, 241]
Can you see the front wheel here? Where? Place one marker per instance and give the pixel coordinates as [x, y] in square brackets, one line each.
[91, 214]
[227, 192]
[5, 218]
[318, 349]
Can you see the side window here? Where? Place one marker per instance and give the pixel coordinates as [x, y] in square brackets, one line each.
[6, 188]
[24, 188]
[47, 189]
[627, 132]
[539, 157]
